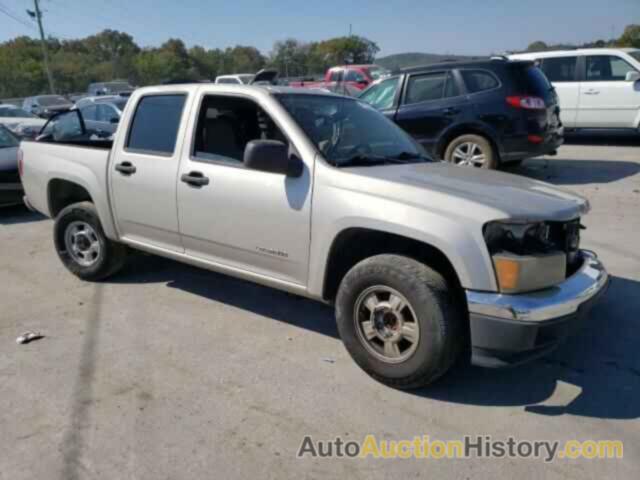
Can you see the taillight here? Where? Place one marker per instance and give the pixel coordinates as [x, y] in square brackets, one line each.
[20, 161]
[535, 139]
[526, 102]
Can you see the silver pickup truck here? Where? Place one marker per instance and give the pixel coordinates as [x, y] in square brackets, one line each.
[322, 196]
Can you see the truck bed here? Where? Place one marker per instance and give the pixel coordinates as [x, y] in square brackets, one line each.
[82, 162]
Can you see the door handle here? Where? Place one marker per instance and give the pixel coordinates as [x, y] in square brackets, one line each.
[195, 179]
[126, 168]
[592, 92]
[451, 111]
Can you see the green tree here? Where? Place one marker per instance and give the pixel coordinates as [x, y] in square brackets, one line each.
[630, 37]
[351, 49]
[538, 46]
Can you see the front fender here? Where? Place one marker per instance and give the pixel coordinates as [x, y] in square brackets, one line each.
[462, 244]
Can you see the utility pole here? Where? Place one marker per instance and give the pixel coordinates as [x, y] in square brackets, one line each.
[45, 55]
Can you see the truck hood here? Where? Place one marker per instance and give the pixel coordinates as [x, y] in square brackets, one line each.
[460, 190]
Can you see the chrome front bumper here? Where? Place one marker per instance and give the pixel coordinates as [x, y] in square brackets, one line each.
[555, 302]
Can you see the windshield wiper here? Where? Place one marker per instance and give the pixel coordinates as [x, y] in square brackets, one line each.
[410, 156]
[362, 159]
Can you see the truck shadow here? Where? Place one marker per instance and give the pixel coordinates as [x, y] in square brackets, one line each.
[16, 214]
[601, 360]
[264, 301]
[612, 139]
[575, 172]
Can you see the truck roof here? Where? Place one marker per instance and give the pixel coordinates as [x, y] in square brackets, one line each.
[233, 88]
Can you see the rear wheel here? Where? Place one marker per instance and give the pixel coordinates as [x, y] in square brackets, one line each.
[471, 151]
[82, 245]
[398, 321]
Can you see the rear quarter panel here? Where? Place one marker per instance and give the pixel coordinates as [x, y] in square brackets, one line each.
[85, 166]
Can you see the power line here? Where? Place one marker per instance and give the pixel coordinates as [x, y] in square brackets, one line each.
[38, 15]
[4, 9]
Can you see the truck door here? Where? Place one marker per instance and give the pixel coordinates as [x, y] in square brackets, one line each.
[241, 219]
[144, 170]
[607, 98]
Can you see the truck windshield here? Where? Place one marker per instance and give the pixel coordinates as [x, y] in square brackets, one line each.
[349, 132]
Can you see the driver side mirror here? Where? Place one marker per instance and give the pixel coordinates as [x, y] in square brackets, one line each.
[272, 156]
[632, 76]
[114, 120]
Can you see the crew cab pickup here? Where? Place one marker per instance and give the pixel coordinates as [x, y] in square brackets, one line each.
[322, 196]
[358, 77]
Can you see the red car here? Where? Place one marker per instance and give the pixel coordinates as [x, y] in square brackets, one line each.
[356, 76]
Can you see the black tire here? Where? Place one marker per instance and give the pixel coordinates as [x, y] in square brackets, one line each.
[491, 156]
[441, 336]
[111, 256]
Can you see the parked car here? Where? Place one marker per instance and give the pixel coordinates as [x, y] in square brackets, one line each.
[19, 121]
[419, 257]
[109, 88]
[11, 191]
[356, 77]
[237, 79]
[102, 114]
[45, 106]
[598, 87]
[479, 113]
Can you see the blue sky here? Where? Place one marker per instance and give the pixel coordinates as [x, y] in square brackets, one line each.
[449, 26]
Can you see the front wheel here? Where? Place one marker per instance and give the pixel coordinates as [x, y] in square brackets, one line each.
[398, 321]
[82, 245]
[471, 151]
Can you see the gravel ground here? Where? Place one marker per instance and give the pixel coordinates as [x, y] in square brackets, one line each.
[168, 371]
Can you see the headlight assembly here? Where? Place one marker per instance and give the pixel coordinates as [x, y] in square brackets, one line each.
[526, 255]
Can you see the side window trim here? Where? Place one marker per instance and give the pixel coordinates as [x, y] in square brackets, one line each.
[576, 72]
[585, 58]
[407, 79]
[155, 153]
[489, 72]
[198, 107]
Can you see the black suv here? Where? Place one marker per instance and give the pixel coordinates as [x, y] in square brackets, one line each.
[480, 113]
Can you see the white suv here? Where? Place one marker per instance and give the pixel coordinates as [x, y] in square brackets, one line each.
[598, 88]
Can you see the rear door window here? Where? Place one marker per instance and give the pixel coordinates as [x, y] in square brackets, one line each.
[155, 124]
[529, 80]
[90, 112]
[479, 80]
[425, 88]
[607, 68]
[354, 76]
[560, 69]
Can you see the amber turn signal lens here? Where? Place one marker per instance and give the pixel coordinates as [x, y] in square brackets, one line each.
[508, 273]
